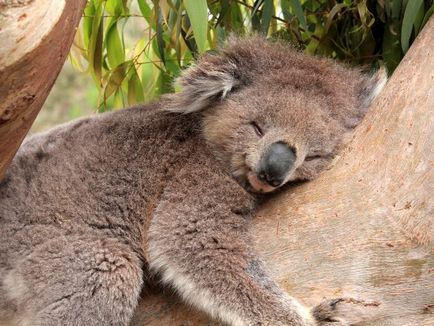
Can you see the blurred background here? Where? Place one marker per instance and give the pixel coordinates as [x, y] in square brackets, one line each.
[129, 51]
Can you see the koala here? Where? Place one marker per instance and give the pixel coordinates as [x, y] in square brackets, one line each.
[91, 209]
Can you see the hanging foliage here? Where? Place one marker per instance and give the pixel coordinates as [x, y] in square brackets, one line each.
[135, 48]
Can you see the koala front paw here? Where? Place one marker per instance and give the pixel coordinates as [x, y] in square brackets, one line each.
[344, 311]
[327, 313]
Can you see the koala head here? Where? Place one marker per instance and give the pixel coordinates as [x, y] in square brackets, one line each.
[270, 113]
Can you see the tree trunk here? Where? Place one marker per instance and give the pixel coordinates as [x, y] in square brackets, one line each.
[35, 37]
[365, 228]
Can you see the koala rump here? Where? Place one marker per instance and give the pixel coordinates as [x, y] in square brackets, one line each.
[90, 208]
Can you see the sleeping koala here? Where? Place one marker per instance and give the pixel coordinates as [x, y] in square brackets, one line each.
[88, 209]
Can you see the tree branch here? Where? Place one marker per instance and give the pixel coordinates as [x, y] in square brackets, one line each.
[35, 39]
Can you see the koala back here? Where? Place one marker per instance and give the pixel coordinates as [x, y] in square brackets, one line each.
[96, 175]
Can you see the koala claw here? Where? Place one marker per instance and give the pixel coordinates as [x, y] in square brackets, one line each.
[327, 313]
[334, 302]
[345, 311]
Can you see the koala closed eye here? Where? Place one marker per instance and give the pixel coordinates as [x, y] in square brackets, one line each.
[326, 157]
[313, 157]
[258, 130]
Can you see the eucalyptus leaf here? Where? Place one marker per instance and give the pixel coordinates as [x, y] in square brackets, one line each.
[159, 34]
[115, 50]
[128, 46]
[284, 5]
[146, 10]
[299, 13]
[96, 43]
[267, 13]
[410, 15]
[427, 16]
[198, 13]
[392, 52]
[135, 88]
[116, 78]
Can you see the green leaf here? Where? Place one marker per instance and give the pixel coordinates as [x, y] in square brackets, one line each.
[314, 42]
[299, 13]
[172, 21]
[165, 83]
[198, 13]
[145, 10]
[224, 9]
[114, 7]
[174, 32]
[96, 43]
[267, 13]
[89, 13]
[135, 88]
[192, 46]
[116, 78]
[236, 19]
[419, 19]
[284, 4]
[410, 15]
[256, 21]
[396, 9]
[148, 80]
[118, 99]
[392, 53]
[97, 54]
[115, 50]
[159, 35]
[428, 14]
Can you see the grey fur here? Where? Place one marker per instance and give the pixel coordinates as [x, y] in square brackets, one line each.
[91, 207]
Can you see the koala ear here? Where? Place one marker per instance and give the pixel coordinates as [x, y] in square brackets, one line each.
[372, 86]
[209, 80]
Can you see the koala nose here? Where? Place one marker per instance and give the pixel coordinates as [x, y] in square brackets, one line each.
[275, 164]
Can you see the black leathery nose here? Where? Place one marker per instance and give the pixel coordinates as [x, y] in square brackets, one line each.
[275, 164]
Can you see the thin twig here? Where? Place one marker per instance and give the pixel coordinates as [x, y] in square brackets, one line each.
[260, 10]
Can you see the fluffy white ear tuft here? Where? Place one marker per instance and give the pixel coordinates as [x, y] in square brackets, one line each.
[208, 81]
[373, 86]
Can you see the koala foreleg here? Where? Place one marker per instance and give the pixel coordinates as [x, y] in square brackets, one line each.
[199, 244]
